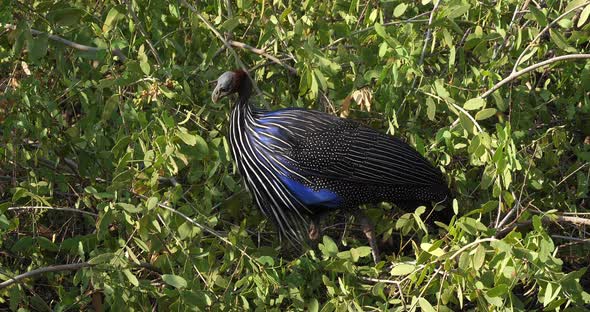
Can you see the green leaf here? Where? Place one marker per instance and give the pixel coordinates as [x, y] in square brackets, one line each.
[457, 10]
[65, 16]
[129, 207]
[328, 247]
[400, 9]
[431, 249]
[475, 103]
[185, 230]
[498, 291]
[539, 16]
[548, 295]
[430, 108]
[201, 147]
[425, 305]
[187, 138]
[230, 24]
[313, 305]
[110, 107]
[380, 30]
[112, 17]
[152, 202]
[144, 65]
[174, 280]
[485, 113]
[38, 47]
[402, 269]
[305, 82]
[132, 279]
[584, 16]
[106, 257]
[360, 252]
[560, 41]
[479, 257]
[267, 260]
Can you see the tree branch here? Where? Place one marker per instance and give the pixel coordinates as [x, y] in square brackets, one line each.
[53, 208]
[544, 30]
[69, 267]
[52, 268]
[560, 219]
[354, 33]
[143, 32]
[229, 47]
[428, 33]
[477, 242]
[202, 227]
[71, 44]
[263, 53]
[521, 72]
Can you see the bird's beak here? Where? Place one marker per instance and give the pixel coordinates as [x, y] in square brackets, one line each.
[217, 94]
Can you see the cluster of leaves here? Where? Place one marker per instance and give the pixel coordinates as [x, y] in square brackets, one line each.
[125, 132]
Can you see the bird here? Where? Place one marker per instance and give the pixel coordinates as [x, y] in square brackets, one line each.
[301, 164]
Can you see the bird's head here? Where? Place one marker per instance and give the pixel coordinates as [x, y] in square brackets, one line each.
[228, 83]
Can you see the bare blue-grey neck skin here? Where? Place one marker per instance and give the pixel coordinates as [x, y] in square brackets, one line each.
[231, 82]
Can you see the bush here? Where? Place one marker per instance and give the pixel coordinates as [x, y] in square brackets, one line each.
[118, 189]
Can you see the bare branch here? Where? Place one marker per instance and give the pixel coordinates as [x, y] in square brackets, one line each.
[428, 33]
[560, 219]
[476, 242]
[544, 30]
[202, 227]
[143, 32]
[53, 208]
[39, 271]
[71, 44]
[69, 267]
[263, 53]
[229, 47]
[521, 72]
[379, 280]
[572, 239]
[354, 33]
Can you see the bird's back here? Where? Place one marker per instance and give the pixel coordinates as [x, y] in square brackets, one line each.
[344, 162]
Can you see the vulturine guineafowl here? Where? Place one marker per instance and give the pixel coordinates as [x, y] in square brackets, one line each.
[299, 164]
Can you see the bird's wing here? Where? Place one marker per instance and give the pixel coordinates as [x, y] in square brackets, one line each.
[324, 145]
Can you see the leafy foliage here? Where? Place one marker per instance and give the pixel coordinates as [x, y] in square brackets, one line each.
[125, 132]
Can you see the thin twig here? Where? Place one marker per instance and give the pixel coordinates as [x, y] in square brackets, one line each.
[54, 208]
[143, 32]
[228, 7]
[203, 228]
[428, 33]
[52, 268]
[545, 30]
[229, 47]
[354, 33]
[560, 219]
[477, 242]
[517, 10]
[71, 44]
[459, 108]
[573, 239]
[379, 280]
[571, 174]
[521, 72]
[263, 53]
